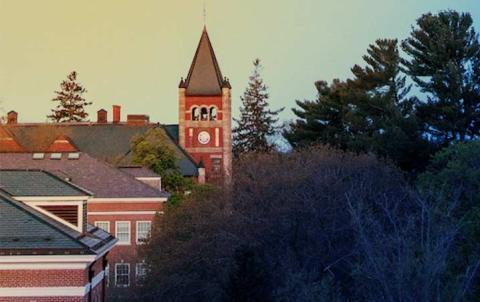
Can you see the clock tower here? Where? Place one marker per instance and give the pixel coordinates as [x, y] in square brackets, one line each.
[205, 113]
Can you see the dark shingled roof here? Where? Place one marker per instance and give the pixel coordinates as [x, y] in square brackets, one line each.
[106, 142]
[36, 183]
[204, 77]
[25, 231]
[98, 177]
[139, 171]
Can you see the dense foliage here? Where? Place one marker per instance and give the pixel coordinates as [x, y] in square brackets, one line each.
[257, 123]
[152, 151]
[314, 225]
[71, 103]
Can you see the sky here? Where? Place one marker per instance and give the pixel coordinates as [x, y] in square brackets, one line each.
[133, 53]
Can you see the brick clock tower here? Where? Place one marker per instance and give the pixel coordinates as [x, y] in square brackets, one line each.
[205, 113]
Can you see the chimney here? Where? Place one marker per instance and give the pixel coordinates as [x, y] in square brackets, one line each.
[12, 117]
[102, 116]
[138, 119]
[116, 114]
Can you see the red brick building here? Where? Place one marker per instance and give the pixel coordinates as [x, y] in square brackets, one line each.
[97, 157]
[48, 252]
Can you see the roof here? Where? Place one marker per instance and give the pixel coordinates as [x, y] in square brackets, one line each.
[8, 143]
[106, 142]
[25, 231]
[98, 177]
[36, 183]
[204, 76]
[139, 172]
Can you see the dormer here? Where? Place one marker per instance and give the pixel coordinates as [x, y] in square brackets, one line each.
[62, 144]
[8, 143]
[48, 194]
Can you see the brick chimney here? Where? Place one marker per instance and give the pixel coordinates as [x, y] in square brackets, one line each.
[12, 117]
[116, 114]
[138, 119]
[102, 116]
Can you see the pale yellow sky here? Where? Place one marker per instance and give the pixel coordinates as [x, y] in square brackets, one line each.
[133, 53]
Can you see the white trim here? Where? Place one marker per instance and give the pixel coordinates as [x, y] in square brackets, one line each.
[136, 230]
[51, 198]
[48, 259]
[43, 266]
[66, 291]
[123, 200]
[97, 279]
[129, 233]
[106, 221]
[149, 178]
[128, 265]
[124, 213]
[37, 206]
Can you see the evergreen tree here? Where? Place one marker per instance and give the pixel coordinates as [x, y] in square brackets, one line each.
[368, 113]
[444, 61]
[257, 123]
[71, 107]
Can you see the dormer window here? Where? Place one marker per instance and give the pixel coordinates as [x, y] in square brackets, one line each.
[56, 156]
[38, 156]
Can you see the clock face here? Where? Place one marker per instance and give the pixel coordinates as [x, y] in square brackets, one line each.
[203, 137]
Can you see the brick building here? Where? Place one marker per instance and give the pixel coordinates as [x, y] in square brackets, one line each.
[97, 157]
[48, 252]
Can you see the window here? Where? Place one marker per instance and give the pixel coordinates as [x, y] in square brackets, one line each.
[195, 114]
[143, 230]
[122, 274]
[74, 155]
[204, 114]
[38, 156]
[104, 225]
[107, 274]
[141, 271]
[56, 156]
[216, 165]
[122, 232]
[213, 114]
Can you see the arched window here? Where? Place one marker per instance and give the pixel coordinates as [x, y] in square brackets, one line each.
[204, 114]
[195, 114]
[213, 113]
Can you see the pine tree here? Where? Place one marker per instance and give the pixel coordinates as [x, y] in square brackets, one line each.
[71, 107]
[257, 122]
[368, 113]
[444, 61]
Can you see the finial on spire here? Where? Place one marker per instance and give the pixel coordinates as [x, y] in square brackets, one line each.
[204, 14]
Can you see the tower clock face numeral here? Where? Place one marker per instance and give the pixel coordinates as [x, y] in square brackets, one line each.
[204, 137]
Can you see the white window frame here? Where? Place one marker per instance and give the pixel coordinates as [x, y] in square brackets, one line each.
[106, 222]
[128, 275]
[129, 233]
[136, 230]
[137, 275]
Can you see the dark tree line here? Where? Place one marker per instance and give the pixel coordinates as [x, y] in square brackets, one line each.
[319, 225]
[375, 111]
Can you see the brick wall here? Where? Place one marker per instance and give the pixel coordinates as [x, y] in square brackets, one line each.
[42, 278]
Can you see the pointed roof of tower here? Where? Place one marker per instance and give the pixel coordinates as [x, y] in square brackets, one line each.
[204, 77]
